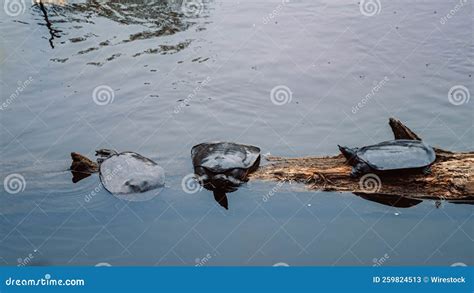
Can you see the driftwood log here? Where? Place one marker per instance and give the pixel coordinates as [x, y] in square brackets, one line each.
[451, 177]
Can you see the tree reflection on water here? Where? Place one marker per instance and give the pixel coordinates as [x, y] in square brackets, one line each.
[143, 20]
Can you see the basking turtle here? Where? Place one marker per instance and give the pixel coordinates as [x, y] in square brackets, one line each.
[390, 156]
[120, 173]
[223, 166]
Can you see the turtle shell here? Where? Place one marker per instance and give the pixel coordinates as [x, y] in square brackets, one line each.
[397, 154]
[129, 172]
[219, 157]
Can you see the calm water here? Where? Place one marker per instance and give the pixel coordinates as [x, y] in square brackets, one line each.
[156, 79]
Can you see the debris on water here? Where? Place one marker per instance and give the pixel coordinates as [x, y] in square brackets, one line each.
[77, 39]
[87, 50]
[114, 56]
[59, 60]
[19, 21]
[94, 63]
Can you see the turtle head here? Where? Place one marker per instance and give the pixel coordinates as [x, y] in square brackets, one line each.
[348, 153]
[103, 154]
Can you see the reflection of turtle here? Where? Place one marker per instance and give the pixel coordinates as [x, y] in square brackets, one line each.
[223, 166]
[390, 200]
[120, 173]
[390, 156]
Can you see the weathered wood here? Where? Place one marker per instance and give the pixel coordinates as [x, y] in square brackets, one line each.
[451, 177]
[82, 167]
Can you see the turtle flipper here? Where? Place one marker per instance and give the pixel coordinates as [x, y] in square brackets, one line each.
[427, 170]
[360, 169]
[221, 198]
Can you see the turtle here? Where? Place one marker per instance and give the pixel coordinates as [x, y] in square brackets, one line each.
[393, 156]
[120, 173]
[223, 166]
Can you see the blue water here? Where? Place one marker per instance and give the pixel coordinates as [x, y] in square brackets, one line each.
[179, 79]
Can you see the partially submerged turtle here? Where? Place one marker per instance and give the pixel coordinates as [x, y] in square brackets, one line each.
[120, 173]
[390, 156]
[223, 166]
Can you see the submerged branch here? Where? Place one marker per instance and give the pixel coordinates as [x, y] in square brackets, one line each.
[53, 32]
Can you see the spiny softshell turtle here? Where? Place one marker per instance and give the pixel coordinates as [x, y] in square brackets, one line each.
[390, 156]
[120, 173]
[223, 166]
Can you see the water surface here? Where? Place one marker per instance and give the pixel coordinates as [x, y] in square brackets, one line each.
[150, 77]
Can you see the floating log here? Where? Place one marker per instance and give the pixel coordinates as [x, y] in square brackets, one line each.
[451, 176]
[82, 167]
